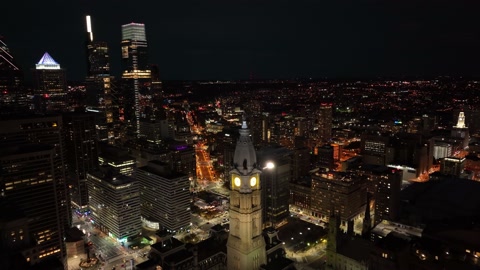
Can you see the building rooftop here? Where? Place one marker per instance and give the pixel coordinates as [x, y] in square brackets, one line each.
[47, 62]
[355, 247]
[440, 200]
[210, 247]
[162, 169]
[105, 174]
[172, 243]
[386, 227]
[178, 256]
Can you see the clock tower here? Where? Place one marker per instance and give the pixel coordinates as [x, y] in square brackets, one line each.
[246, 245]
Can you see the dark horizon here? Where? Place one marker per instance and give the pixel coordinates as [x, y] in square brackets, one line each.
[241, 40]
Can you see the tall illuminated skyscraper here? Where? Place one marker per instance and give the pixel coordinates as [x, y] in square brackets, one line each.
[136, 70]
[101, 93]
[50, 83]
[325, 122]
[97, 54]
[11, 77]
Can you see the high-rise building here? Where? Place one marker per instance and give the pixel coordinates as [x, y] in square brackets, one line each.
[12, 97]
[325, 156]
[102, 94]
[97, 54]
[115, 203]
[136, 70]
[117, 158]
[325, 122]
[342, 192]
[20, 130]
[50, 85]
[165, 197]
[460, 130]
[28, 180]
[246, 247]
[275, 181]
[82, 154]
[387, 195]
[452, 166]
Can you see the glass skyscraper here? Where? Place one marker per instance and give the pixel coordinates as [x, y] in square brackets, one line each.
[12, 97]
[50, 85]
[136, 71]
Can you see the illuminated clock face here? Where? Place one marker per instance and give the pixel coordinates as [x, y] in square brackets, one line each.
[253, 181]
[237, 181]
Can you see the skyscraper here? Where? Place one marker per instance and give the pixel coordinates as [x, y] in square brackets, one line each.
[11, 77]
[275, 183]
[165, 197]
[82, 154]
[115, 203]
[246, 245]
[101, 92]
[28, 180]
[325, 122]
[50, 84]
[97, 54]
[45, 130]
[460, 130]
[136, 70]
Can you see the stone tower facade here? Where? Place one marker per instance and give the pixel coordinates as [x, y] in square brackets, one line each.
[246, 245]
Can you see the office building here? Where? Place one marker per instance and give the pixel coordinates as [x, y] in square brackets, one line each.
[34, 229]
[117, 158]
[20, 130]
[50, 85]
[325, 157]
[374, 149]
[136, 71]
[246, 247]
[97, 54]
[275, 179]
[102, 96]
[442, 150]
[114, 203]
[452, 166]
[82, 155]
[342, 192]
[301, 162]
[325, 122]
[184, 159]
[388, 184]
[12, 95]
[165, 197]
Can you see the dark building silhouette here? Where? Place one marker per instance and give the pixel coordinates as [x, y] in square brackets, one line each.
[82, 154]
[12, 95]
[32, 232]
[388, 184]
[275, 183]
[325, 122]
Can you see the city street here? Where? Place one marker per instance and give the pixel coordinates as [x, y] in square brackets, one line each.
[205, 171]
[109, 252]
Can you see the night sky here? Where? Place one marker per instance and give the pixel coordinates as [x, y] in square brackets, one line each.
[232, 39]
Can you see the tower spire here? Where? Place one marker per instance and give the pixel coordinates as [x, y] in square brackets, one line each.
[246, 248]
[461, 120]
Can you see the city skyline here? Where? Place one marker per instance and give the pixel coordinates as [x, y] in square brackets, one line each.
[259, 40]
